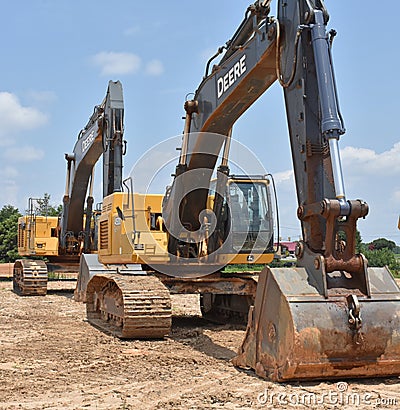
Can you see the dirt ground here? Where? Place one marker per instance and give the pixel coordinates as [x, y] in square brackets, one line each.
[51, 358]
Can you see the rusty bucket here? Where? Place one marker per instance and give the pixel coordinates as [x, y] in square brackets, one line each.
[295, 333]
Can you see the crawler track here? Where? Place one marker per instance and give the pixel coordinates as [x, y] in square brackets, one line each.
[129, 307]
[30, 277]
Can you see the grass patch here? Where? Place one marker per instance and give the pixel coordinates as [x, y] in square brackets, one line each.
[58, 276]
[244, 268]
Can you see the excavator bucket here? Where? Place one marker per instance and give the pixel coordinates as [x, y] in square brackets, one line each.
[88, 267]
[295, 333]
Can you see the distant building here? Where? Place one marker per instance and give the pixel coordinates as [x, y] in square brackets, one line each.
[287, 248]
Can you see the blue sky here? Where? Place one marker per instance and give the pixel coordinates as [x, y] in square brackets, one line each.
[58, 56]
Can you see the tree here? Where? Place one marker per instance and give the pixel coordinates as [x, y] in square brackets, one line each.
[359, 242]
[382, 257]
[8, 233]
[382, 243]
[44, 208]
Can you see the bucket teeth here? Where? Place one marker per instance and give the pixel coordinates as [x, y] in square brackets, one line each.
[294, 333]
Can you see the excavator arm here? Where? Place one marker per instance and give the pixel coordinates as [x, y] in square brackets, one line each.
[331, 316]
[103, 135]
[328, 218]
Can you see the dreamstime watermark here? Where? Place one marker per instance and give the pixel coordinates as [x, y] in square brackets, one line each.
[340, 395]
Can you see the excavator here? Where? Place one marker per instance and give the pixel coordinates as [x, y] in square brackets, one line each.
[61, 240]
[331, 316]
[127, 285]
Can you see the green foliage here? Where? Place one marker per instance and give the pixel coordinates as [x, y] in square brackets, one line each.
[244, 268]
[382, 243]
[8, 233]
[359, 243]
[282, 263]
[45, 208]
[383, 257]
[382, 252]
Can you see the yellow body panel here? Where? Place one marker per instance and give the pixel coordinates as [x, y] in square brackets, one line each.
[243, 258]
[138, 236]
[132, 237]
[37, 235]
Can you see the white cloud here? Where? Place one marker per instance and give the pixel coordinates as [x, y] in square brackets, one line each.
[284, 177]
[112, 63]
[16, 118]
[24, 154]
[42, 96]
[8, 173]
[154, 67]
[370, 162]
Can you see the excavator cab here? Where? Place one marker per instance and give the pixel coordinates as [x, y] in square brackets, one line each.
[245, 220]
[252, 227]
[243, 237]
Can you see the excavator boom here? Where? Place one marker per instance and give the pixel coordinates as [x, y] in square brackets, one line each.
[221, 98]
[103, 135]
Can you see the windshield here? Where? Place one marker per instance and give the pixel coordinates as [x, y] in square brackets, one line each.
[251, 216]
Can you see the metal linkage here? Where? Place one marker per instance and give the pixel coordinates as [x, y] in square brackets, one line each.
[355, 320]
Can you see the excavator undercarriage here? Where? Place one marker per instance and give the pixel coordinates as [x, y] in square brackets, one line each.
[139, 306]
[130, 302]
[30, 276]
[135, 306]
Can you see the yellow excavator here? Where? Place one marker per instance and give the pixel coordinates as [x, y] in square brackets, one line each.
[127, 285]
[331, 316]
[61, 240]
